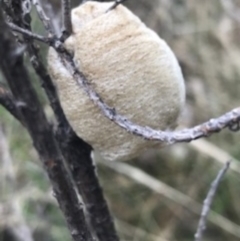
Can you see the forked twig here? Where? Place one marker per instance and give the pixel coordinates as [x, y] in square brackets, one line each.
[208, 202]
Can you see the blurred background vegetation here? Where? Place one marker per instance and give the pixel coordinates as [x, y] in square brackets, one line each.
[158, 197]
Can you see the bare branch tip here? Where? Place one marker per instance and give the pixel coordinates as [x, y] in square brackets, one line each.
[209, 200]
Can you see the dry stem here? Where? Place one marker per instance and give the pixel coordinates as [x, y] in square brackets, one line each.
[208, 202]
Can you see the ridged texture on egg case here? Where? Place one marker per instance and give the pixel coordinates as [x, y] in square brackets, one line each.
[132, 69]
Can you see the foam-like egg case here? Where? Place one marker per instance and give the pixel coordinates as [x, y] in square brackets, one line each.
[131, 68]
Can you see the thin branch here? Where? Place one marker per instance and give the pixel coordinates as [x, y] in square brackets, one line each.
[230, 119]
[54, 13]
[45, 20]
[29, 34]
[175, 196]
[41, 133]
[8, 102]
[47, 84]
[45, 79]
[67, 23]
[208, 202]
